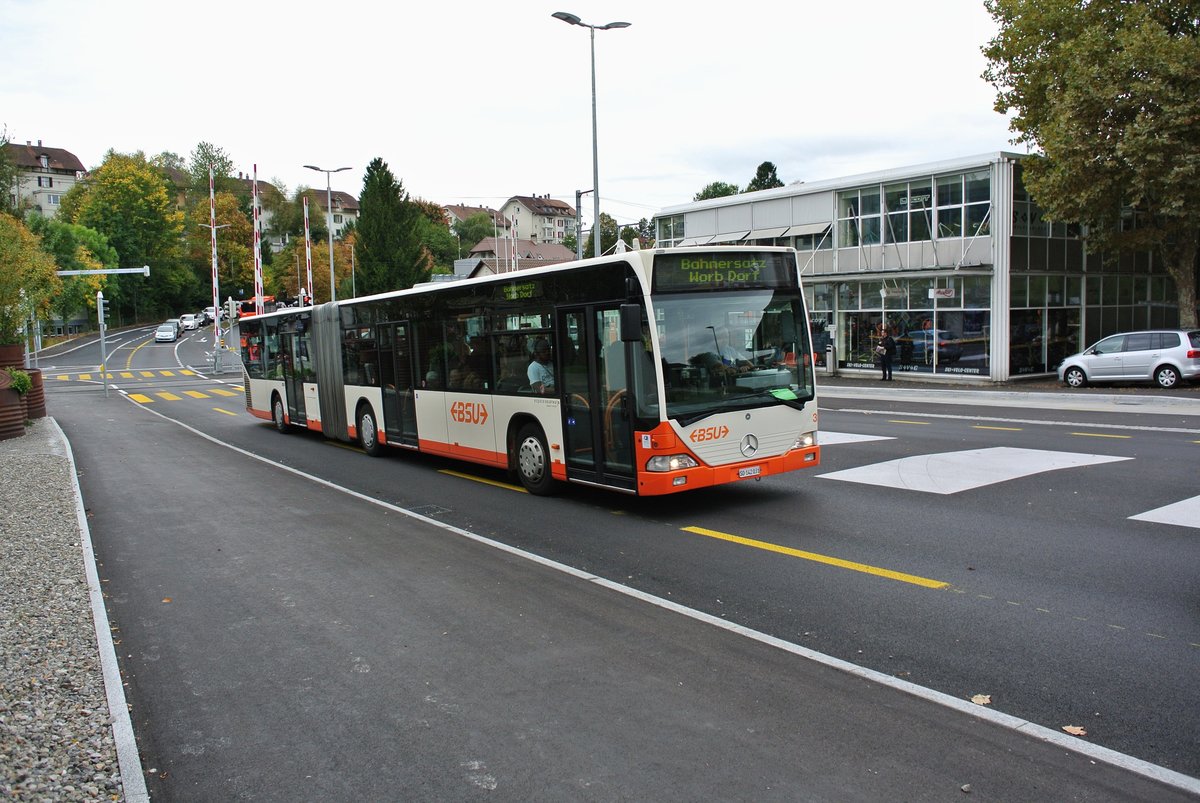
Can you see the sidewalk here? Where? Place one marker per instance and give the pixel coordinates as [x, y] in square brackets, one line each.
[1040, 393]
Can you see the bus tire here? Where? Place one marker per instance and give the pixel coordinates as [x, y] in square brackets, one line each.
[532, 460]
[277, 416]
[368, 431]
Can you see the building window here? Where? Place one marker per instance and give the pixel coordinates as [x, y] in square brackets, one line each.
[909, 208]
[44, 160]
[45, 181]
[858, 218]
[54, 200]
[337, 219]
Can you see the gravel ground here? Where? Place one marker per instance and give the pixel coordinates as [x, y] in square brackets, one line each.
[56, 735]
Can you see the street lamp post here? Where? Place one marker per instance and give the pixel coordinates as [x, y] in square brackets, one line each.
[329, 221]
[571, 19]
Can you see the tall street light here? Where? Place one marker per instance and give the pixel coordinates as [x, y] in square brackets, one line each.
[329, 221]
[571, 19]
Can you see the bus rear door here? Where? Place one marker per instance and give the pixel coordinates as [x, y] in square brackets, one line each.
[596, 421]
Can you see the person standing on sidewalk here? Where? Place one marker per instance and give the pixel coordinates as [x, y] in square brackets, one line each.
[887, 350]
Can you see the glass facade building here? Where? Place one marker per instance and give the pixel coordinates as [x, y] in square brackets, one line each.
[953, 259]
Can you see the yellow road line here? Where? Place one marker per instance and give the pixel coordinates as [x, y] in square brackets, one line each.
[169, 396]
[899, 421]
[195, 394]
[147, 374]
[1002, 429]
[141, 398]
[126, 375]
[85, 376]
[844, 564]
[63, 377]
[226, 412]
[166, 373]
[505, 485]
[1101, 435]
[222, 392]
[186, 372]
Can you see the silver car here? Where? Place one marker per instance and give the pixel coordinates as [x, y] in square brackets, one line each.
[1163, 356]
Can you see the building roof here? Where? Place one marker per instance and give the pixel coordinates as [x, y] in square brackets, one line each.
[342, 201]
[461, 212]
[29, 157]
[543, 205]
[540, 253]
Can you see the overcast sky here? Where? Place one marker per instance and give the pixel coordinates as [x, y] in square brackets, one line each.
[475, 101]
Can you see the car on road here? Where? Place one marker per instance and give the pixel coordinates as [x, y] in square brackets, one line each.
[166, 332]
[1163, 356]
[189, 321]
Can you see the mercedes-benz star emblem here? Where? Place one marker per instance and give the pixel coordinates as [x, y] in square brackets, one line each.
[749, 445]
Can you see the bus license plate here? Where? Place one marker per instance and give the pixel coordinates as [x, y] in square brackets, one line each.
[752, 471]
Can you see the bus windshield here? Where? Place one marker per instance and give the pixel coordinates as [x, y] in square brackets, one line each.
[728, 350]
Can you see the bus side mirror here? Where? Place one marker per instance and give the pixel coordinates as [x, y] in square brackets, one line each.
[631, 323]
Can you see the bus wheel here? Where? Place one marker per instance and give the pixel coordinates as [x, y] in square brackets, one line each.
[368, 435]
[533, 460]
[277, 414]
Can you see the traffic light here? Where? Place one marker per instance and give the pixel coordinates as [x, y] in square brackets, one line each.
[231, 308]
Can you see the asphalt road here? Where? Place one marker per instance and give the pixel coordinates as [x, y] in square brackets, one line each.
[417, 662]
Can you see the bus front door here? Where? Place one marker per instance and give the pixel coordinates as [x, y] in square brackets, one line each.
[396, 376]
[596, 421]
[292, 362]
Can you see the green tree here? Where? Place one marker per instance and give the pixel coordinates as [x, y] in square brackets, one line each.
[75, 247]
[8, 176]
[608, 236]
[390, 253]
[235, 253]
[1109, 91]
[28, 280]
[474, 230]
[128, 201]
[717, 189]
[765, 178]
[204, 155]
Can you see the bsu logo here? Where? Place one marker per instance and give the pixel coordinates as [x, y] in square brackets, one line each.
[469, 412]
[708, 434]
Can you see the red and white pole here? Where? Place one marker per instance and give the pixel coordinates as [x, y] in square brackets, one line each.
[308, 252]
[258, 276]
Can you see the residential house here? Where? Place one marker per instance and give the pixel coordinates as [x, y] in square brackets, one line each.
[539, 218]
[457, 213]
[43, 176]
[345, 208]
[501, 255]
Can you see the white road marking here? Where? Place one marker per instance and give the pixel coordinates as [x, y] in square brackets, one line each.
[952, 472]
[1185, 513]
[827, 438]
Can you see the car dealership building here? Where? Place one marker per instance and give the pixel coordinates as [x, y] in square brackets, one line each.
[952, 258]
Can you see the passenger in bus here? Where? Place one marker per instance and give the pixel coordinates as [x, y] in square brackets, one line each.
[541, 369]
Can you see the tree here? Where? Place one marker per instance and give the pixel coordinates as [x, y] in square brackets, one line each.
[717, 189]
[608, 236]
[8, 176]
[28, 280]
[128, 201]
[75, 247]
[390, 253]
[765, 178]
[206, 155]
[1109, 91]
[235, 252]
[474, 230]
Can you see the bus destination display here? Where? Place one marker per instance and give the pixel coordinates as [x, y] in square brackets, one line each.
[715, 271]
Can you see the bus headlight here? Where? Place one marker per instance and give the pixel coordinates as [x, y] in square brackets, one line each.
[673, 462]
[805, 440]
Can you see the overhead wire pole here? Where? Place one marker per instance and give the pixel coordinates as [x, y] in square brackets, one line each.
[329, 220]
[571, 19]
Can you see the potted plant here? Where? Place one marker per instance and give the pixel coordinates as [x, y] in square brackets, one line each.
[14, 384]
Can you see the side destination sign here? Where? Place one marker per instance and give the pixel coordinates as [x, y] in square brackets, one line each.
[720, 271]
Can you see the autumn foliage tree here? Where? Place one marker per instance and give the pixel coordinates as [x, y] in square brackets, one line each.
[1109, 91]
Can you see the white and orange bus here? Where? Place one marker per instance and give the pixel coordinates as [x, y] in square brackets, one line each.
[647, 372]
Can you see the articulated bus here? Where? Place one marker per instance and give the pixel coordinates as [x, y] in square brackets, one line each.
[647, 372]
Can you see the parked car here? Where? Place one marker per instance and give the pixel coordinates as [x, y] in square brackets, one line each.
[189, 321]
[209, 315]
[166, 332]
[917, 346]
[1162, 356]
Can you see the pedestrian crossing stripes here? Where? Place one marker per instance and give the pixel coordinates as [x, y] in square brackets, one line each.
[953, 472]
[166, 395]
[89, 376]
